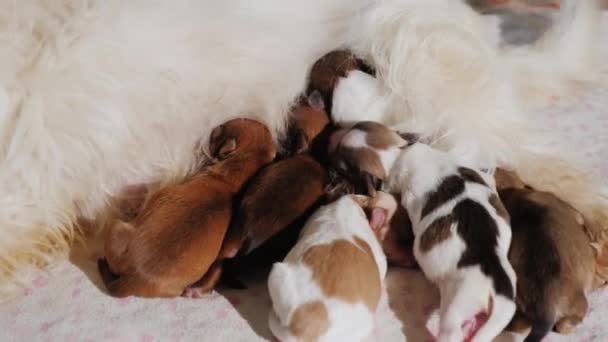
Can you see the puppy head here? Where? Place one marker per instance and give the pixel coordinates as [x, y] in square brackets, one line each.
[241, 136]
[366, 152]
[308, 120]
[506, 179]
[379, 211]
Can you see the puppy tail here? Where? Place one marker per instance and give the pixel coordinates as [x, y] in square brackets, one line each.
[540, 329]
[501, 313]
[567, 56]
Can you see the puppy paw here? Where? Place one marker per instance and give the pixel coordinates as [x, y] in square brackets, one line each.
[195, 292]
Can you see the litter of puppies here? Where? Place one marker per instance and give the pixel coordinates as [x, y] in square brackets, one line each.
[344, 198]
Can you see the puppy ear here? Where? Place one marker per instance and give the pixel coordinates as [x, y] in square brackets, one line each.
[315, 100]
[226, 149]
[410, 138]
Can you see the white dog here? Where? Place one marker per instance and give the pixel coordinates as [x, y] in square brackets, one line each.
[462, 231]
[329, 285]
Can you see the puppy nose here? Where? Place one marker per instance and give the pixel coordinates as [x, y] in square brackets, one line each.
[335, 139]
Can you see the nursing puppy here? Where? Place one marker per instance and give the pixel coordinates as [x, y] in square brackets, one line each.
[279, 199]
[175, 238]
[552, 257]
[281, 196]
[461, 229]
[329, 285]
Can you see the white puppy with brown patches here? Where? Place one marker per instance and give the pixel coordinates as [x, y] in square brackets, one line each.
[329, 285]
[462, 231]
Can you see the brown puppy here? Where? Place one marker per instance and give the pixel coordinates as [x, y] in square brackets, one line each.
[328, 70]
[278, 200]
[174, 239]
[551, 255]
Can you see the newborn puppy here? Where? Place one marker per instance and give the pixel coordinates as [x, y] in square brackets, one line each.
[278, 200]
[326, 72]
[461, 229]
[176, 236]
[551, 255]
[329, 285]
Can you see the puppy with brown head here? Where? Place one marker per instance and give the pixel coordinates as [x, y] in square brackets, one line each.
[176, 236]
[551, 255]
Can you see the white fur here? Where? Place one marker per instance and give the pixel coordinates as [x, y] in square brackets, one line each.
[95, 95]
[290, 283]
[417, 172]
[357, 97]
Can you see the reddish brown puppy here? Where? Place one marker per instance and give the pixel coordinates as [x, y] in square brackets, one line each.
[174, 239]
[277, 201]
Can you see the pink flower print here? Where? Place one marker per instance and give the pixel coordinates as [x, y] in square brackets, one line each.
[147, 338]
[40, 281]
[123, 301]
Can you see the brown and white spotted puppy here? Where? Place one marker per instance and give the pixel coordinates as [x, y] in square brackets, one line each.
[462, 232]
[551, 255]
[171, 244]
[329, 285]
